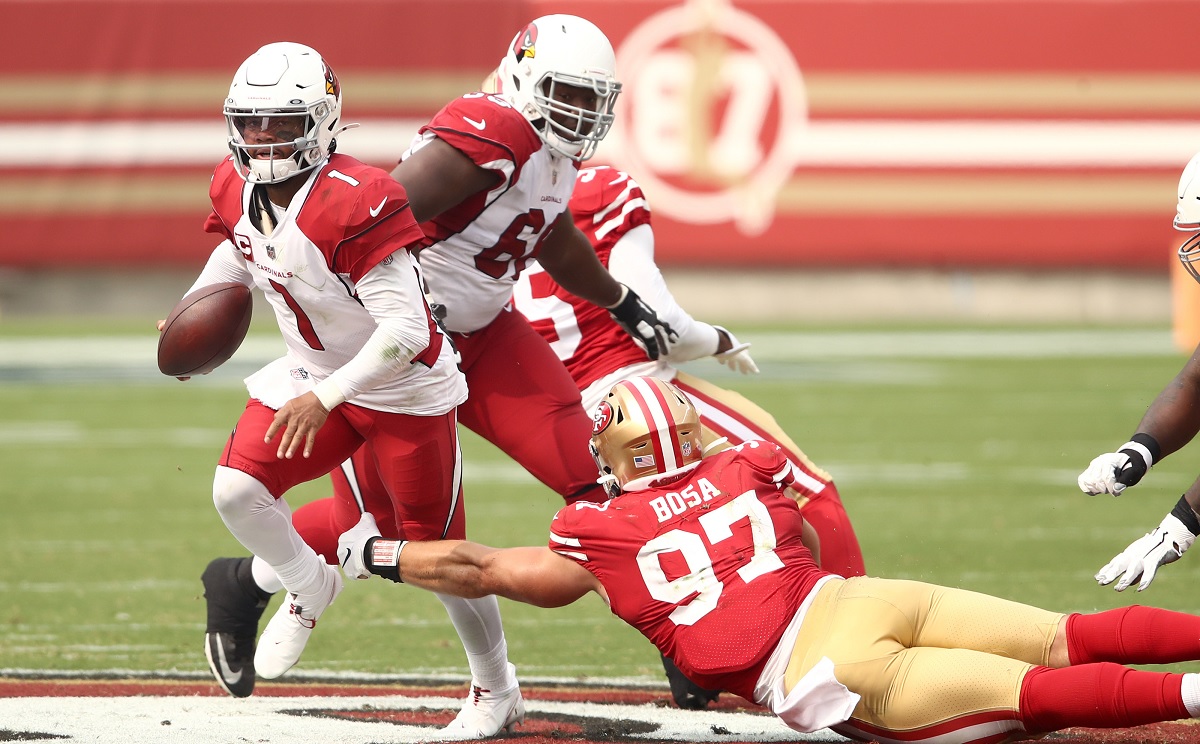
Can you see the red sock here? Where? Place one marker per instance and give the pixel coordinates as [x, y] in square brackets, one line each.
[1133, 635]
[1098, 696]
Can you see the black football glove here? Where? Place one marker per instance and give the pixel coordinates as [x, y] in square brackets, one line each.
[641, 322]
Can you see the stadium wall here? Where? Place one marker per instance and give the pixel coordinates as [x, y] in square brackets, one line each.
[937, 135]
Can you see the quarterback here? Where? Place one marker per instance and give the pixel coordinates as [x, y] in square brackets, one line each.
[330, 242]
[705, 556]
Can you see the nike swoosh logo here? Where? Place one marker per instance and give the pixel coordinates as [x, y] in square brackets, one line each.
[477, 124]
[376, 210]
[346, 559]
[226, 673]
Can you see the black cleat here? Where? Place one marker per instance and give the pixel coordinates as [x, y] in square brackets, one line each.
[235, 605]
[687, 694]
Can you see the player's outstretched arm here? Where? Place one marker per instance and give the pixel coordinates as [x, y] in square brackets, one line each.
[569, 259]
[535, 576]
[1171, 421]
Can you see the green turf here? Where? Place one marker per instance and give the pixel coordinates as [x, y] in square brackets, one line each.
[958, 471]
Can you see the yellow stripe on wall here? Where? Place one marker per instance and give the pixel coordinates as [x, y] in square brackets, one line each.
[986, 194]
[857, 193]
[828, 94]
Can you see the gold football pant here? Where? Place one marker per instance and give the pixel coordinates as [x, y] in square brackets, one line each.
[928, 661]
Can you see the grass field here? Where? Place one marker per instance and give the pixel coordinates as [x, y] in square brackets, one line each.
[955, 451]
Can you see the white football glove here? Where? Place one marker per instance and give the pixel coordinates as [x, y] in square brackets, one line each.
[1113, 472]
[351, 545]
[1101, 474]
[738, 357]
[1144, 555]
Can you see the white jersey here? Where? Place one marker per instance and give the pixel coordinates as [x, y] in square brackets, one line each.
[345, 220]
[475, 251]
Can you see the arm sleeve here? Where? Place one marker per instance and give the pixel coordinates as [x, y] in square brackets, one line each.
[224, 265]
[392, 295]
[631, 262]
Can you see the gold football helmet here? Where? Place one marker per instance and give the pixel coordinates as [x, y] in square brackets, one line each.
[644, 428]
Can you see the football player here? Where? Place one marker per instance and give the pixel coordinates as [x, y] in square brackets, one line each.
[489, 178]
[1172, 421]
[610, 209]
[331, 243]
[705, 555]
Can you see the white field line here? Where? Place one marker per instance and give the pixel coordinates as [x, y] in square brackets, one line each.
[218, 720]
[139, 352]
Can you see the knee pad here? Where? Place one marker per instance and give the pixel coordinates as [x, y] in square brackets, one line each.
[236, 494]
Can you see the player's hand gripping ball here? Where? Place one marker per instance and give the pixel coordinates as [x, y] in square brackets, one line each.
[204, 329]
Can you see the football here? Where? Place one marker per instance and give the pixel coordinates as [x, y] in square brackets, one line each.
[204, 330]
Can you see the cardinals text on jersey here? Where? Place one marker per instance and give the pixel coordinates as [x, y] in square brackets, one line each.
[474, 251]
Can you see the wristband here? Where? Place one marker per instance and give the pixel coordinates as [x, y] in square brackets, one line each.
[383, 558]
[1184, 513]
[1146, 446]
[624, 294]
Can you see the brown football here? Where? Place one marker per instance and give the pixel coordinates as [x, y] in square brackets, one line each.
[204, 329]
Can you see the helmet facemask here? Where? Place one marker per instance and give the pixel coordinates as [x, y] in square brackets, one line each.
[553, 65]
[1187, 216]
[575, 131]
[282, 113]
[645, 430]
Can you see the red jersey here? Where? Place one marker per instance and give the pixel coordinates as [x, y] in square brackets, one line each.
[606, 204]
[709, 567]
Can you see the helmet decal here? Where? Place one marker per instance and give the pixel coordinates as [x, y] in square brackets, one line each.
[332, 86]
[644, 428]
[525, 45]
[643, 461]
[602, 417]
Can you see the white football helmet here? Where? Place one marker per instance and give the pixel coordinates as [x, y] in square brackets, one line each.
[1187, 215]
[283, 90]
[556, 51]
[644, 429]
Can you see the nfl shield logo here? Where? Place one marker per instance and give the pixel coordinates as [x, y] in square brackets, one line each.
[271, 252]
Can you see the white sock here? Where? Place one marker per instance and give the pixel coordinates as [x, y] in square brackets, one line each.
[304, 574]
[477, 622]
[1191, 694]
[265, 576]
